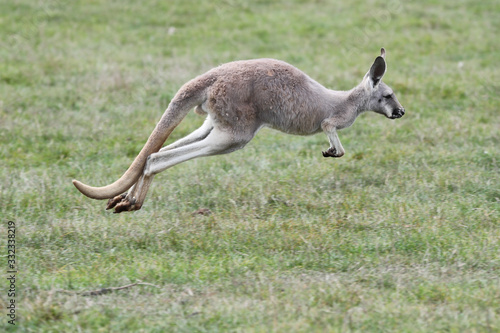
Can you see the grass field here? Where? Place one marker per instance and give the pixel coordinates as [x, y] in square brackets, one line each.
[402, 234]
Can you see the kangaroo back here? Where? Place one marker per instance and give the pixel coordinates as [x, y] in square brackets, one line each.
[190, 95]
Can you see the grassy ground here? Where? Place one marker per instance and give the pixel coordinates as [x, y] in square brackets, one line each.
[402, 234]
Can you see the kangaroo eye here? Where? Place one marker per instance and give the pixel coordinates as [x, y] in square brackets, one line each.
[388, 96]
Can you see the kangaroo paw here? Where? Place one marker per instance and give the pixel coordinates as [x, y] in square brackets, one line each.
[332, 152]
[114, 201]
[123, 206]
[127, 205]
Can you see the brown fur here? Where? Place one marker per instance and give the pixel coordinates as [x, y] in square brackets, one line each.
[241, 97]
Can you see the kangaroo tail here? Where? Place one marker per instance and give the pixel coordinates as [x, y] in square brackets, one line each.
[190, 95]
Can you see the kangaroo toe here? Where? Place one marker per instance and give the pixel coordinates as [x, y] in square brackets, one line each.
[114, 201]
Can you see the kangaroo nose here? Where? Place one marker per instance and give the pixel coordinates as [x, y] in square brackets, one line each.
[398, 113]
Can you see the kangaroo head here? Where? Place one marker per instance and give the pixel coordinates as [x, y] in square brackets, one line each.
[381, 98]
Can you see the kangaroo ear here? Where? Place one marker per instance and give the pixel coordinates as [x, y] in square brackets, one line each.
[377, 70]
[382, 53]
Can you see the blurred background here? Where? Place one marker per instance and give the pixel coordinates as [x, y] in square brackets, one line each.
[400, 234]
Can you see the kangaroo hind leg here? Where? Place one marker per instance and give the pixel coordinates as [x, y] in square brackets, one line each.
[133, 199]
[215, 143]
[198, 135]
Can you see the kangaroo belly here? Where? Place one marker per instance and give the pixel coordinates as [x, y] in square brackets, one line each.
[297, 123]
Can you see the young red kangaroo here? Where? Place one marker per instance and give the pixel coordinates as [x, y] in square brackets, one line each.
[239, 98]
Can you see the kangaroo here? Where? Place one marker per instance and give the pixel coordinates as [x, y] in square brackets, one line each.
[239, 98]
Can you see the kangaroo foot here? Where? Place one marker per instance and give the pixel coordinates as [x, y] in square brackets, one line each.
[114, 201]
[121, 203]
[332, 152]
[127, 205]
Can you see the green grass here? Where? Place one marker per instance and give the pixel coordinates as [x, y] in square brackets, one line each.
[402, 234]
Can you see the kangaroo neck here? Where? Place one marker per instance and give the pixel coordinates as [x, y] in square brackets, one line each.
[345, 106]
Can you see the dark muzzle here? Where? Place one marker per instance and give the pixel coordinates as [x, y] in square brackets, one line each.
[398, 113]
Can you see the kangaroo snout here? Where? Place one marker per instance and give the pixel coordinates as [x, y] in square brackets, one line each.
[398, 113]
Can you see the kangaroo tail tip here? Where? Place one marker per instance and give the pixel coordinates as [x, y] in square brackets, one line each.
[80, 186]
